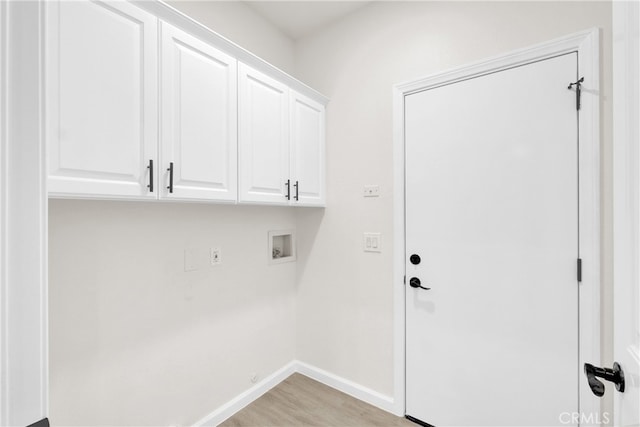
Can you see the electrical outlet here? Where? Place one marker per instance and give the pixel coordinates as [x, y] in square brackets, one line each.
[371, 191]
[216, 256]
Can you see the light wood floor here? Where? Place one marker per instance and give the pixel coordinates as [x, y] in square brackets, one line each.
[300, 401]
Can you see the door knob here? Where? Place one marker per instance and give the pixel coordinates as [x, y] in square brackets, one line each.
[414, 282]
[615, 375]
[415, 259]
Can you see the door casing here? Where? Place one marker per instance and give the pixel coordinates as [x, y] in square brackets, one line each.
[587, 45]
[626, 208]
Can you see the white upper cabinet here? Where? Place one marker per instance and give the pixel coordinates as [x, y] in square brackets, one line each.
[101, 99]
[307, 151]
[281, 143]
[198, 156]
[138, 107]
[263, 138]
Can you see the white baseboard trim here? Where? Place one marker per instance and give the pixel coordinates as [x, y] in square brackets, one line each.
[351, 388]
[379, 400]
[236, 404]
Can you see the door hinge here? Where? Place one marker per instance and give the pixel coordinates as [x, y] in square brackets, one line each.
[404, 280]
[578, 86]
[579, 269]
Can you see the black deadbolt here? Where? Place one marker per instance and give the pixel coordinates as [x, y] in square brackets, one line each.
[415, 259]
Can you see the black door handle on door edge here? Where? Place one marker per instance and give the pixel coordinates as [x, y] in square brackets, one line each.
[288, 184]
[615, 375]
[414, 282]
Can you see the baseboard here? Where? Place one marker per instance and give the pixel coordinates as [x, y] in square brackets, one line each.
[379, 400]
[351, 388]
[236, 404]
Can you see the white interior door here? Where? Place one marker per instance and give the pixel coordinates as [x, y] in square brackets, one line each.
[199, 119]
[492, 212]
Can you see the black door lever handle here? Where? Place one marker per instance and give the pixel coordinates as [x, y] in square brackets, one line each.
[615, 375]
[414, 282]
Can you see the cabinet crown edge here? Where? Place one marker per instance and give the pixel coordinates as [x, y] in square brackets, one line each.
[171, 15]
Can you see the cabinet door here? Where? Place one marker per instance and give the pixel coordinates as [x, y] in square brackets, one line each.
[199, 119]
[307, 151]
[101, 98]
[263, 137]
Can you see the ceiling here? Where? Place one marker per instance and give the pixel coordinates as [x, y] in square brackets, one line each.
[297, 19]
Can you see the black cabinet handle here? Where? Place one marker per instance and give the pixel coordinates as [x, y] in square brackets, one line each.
[150, 185]
[297, 186]
[414, 282]
[615, 375]
[170, 187]
[288, 184]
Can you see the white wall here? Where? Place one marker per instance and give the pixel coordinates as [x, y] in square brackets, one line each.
[242, 25]
[135, 340]
[345, 298]
[121, 307]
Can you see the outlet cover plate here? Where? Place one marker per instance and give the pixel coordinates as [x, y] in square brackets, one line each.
[215, 256]
[371, 191]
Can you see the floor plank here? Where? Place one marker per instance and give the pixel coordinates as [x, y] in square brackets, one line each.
[300, 401]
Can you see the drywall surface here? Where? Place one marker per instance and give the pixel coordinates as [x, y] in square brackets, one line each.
[345, 297]
[242, 25]
[137, 340]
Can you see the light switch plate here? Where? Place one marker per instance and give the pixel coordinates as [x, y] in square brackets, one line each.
[372, 242]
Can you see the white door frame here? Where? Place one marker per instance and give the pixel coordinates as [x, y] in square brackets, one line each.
[23, 218]
[587, 45]
[626, 174]
[3, 180]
